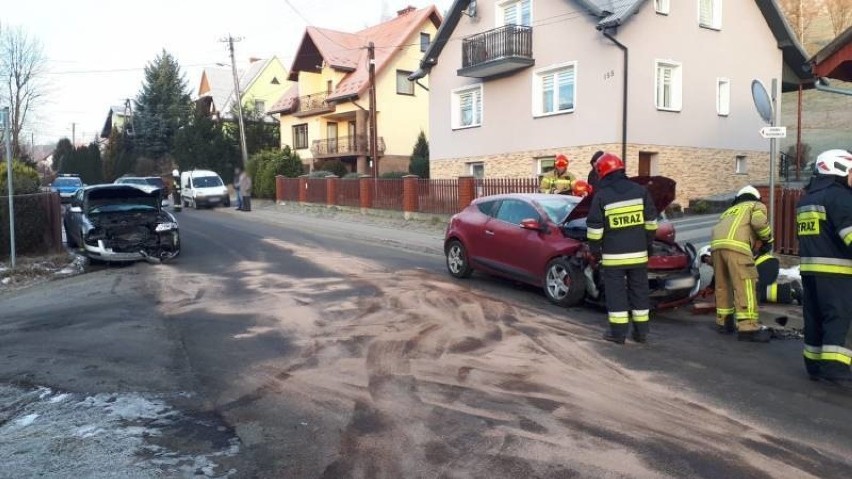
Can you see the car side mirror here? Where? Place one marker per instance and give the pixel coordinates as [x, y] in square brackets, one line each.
[75, 209]
[532, 224]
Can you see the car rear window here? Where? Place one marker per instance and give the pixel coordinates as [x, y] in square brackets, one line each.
[488, 207]
[68, 182]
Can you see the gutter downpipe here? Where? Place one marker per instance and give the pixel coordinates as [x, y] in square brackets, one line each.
[624, 99]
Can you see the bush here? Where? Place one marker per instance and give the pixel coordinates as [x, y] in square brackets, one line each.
[336, 167]
[30, 215]
[352, 176]
[320, 174]
[699, 207]
[394, 174]
[265, 165]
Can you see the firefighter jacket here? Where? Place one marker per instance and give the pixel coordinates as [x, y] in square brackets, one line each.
[824, 228]
[622, 222]
[741, 225]
[553, 182]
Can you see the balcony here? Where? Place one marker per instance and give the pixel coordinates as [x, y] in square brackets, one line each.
[497, 52]
[358, 145]
[313, 104]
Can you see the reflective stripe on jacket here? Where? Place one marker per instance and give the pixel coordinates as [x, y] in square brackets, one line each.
[740, 226]
[622, 222]
[824, 228]
[554, 183]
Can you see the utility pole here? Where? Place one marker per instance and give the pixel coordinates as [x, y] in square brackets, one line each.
[74, 135]
[239, 99]
[799, 98]
[374, 149]
[9, 186]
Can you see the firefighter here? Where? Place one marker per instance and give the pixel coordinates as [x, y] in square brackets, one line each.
[733, 243]
[769, 290]
[824, 230]
[558, 180]
[581, 188]
[622, 222]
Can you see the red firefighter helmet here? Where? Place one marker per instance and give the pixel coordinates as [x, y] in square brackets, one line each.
[581, 188]
[561, 161]
[608, 163]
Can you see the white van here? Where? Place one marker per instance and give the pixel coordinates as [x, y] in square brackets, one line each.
[203, 188]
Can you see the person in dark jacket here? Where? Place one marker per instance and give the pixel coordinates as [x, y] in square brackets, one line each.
[824, 230]
[593, 173]
[621, 226]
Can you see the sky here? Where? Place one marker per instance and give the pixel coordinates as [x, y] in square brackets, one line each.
[97, 50]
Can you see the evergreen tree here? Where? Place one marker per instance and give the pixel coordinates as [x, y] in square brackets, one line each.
[260, 135]
[203, 143]
[61, 153]
[419, 164]
[162, 107]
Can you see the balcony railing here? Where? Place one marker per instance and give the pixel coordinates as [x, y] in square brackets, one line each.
[313, 104]
[358, 145]
[497, 52]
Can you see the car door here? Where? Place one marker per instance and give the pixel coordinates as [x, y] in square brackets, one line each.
[478, 243]
[514, 248]
[73, 219]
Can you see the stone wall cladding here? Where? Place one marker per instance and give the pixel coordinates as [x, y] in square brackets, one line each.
[699, 172]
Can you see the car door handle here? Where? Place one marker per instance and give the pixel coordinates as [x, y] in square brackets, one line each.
[489, 232]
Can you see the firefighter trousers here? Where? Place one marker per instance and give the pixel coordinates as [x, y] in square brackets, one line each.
[627, 297]
[828, 314]
[736, 289]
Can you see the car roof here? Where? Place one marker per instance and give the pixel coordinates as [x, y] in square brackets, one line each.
[524, 196]
[146, 188]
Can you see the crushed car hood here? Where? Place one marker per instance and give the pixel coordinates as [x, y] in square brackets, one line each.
[662, 191]
[108, 192]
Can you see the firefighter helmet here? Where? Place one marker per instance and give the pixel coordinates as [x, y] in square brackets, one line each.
[581, 188]
[834, 162]
[561, 161]
[608, 163]
[748, 190]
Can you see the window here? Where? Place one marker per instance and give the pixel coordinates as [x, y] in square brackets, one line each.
[425, 39]
[300, 136]
[668, 86]
[515, 12]
[723, 96]
[477, 170]
[404, 86]
[553, 90]
[710, 14]
[545, 165]
[661, 6]
[275, 81]
[467, 107]
[515, 211]
[259, 106]
[741, 165]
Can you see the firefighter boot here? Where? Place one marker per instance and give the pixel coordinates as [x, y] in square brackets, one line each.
[762, 335]
[726, 325]
[610, 336]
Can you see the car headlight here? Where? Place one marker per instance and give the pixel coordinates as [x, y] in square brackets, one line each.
[165, 227]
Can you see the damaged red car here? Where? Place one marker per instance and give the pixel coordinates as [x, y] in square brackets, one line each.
[540, 240]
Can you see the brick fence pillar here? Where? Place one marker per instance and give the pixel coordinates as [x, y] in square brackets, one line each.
[366, 193]
[467, 191]
[410, 196]
[331, 187]
[279, 189]
[303, 189]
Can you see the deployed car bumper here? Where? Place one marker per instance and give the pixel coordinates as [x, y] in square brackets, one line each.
[212, 200]
[164, 245]
[672, 289]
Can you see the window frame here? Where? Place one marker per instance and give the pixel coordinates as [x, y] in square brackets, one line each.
[540, 164]
[295, 129]
[473, 165]
[455, 104]
[538, 90]
[741, 165]
[662, 7]
[677, 85]
[403, 74]
[425, 41]
[723, 96]
[500, 17]
[716, 12]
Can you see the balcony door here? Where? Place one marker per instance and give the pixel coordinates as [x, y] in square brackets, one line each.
[331, 135]
[351, 137]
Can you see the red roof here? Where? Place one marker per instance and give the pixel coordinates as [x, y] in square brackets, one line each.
[348, 52]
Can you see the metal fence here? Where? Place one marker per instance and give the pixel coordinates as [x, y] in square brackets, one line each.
[387, 194]
[496, 186]
[349, 192]
[38, 224]
[438, 196]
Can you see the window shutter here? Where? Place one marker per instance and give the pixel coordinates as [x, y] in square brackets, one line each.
[510, 14]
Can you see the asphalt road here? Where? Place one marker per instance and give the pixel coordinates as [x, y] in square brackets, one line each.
[327, 348]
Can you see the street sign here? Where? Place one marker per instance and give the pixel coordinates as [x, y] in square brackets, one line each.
[773, 132]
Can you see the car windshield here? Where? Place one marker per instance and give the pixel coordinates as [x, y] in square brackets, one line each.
[206, 181]
[557, 207]
[68, 182]
[155, 181]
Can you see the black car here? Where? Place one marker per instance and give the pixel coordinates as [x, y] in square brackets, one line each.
[121, 222]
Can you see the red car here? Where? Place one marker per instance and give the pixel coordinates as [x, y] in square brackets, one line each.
[540, 240]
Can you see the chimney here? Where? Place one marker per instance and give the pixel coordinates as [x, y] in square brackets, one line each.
[254, 59]
[405, 11]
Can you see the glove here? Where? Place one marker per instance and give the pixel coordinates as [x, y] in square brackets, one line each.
[765, 248]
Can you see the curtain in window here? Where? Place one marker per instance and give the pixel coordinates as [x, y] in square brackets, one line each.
[470, 108]
[724, 97]
[518, 13]
[664, 86]
[561, 97]
[706, 12]
[566, 89]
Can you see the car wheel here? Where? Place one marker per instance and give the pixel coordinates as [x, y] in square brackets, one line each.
[564, 283]
[227, 202]
[457, 262]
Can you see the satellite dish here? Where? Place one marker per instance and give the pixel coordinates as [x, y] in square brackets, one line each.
[761, 100]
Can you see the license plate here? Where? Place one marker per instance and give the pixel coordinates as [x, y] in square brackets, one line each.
[214, 200]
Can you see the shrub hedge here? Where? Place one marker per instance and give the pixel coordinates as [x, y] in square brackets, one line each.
[32, 232]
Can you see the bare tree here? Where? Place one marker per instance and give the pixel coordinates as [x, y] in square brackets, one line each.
[22, 66]
[801, 14]
[840, 15]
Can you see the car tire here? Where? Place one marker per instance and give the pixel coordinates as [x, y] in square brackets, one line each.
[458, 263]
[564, 283]
[227, 202]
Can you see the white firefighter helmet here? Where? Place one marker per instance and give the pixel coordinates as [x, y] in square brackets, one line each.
[748, 190]
[834, 162]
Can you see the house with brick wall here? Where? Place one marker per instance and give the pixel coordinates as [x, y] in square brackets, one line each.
[325, 115]
[666, 84]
